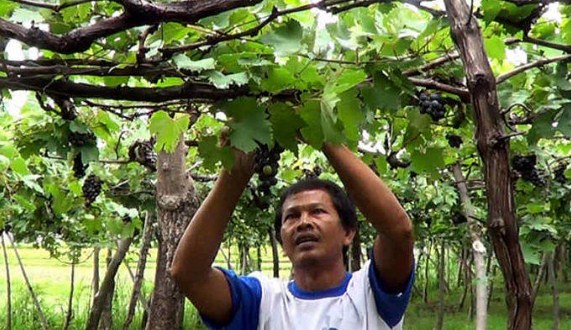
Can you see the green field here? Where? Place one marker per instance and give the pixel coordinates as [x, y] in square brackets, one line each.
[50, 279]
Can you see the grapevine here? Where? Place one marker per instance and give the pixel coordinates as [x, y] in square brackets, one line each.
[91, 189]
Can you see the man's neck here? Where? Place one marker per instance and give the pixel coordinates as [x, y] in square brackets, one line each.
[318, 277]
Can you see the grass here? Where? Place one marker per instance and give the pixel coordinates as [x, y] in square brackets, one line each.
[51, 281]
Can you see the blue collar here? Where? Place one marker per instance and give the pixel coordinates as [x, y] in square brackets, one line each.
[312, 295]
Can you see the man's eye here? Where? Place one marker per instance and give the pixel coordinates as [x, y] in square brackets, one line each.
[318, 211]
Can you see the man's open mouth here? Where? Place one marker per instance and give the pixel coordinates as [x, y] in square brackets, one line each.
[305, 238]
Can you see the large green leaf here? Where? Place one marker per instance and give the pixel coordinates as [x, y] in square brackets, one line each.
[564, 120]
[249, 123]
[285, 125]
[286, 39]
[383, 94]
[312, 132]
[167, 130]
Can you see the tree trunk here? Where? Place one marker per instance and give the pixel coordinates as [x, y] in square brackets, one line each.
[275, 254]
[69, 314]
[554, 290]
[8, 285]
[467, 283]
[478, 249]
[177, 203]
[355, 260]
[107, 285]
[493, 147]
[441, 286]
[426, 274]
[139, 277]
[226, 258]
[259, 255]
[95, 278]
[106, 319]
[540, 274]
[459, 276]
[32, 293]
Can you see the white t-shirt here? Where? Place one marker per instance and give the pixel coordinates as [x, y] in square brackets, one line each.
[359, 303]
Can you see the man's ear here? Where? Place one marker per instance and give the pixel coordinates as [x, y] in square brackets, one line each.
[349, 235]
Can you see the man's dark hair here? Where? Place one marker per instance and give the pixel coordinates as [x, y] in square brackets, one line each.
[343, 205]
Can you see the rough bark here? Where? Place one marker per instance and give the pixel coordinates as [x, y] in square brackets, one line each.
[32, 293]
[478, 249]
[493, 147]
[554, 290]
[8, 285]
[69, 314]
[107, 285]
[139, 276]
[177, 203]
[275, 255]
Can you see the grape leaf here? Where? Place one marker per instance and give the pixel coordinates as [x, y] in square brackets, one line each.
[351, 115]
[312, 132]
[220, 80]
[184, 62]
[347, 80]
[332, 130]
[495, 47]
[248, 122]
[19, 166]
[278, 80]
[211, 153]
[383, 94]
[427, 161]
[167, 130]
[564, 120]
[285, 125]
[285, 40]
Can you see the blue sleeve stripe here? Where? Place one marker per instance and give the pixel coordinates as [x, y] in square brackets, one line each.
[391, 307]
[246, 293]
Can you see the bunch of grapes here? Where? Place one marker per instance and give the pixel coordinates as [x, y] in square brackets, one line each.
[78, 166]
[432, 105]
[454, 141]
[91, 189]
[559, 173]
[267, 167]
[143, 153]
[79, 140]
[525, 167]
[314, 173]
[458, 218]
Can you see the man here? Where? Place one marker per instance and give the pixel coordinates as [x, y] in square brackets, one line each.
[316, 222]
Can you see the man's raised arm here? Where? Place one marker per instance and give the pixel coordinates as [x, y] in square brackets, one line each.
[393, 248]
[206, 287]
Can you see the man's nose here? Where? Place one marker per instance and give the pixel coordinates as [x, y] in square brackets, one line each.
[304, 221]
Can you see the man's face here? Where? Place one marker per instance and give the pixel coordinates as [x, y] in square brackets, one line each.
[312, 232]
